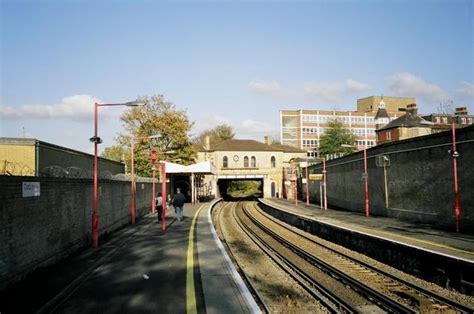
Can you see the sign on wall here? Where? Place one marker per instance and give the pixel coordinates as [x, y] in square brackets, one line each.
[31, 189]
[316, 177]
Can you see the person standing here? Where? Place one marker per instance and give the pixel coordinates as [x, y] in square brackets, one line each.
[178, 202]
[159, 206]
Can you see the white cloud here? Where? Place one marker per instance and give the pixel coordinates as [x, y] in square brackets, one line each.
[333, 92]
[209, 122]
[245, 129]
[253, 126]
[407, 84]
[77, 107]
[466, 90]
[264, 87]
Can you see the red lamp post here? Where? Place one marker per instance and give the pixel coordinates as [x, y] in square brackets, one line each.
[455, 155]
[307, 183]
[164, 194]
[132, 174]
[325, 204]
[365, 176]
[153, 162]
[366, 183]
[97, 140]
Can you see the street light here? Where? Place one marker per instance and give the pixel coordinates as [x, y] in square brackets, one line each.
[97, 140]
[132, 173]
[455, 155]
[325, 204]
[365, 176]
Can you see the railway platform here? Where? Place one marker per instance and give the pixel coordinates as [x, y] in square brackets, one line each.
[140, 269]
[443, 257]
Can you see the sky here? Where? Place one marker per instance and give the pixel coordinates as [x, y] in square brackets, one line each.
[233, 62]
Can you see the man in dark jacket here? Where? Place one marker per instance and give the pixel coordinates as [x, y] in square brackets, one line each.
[178, 202]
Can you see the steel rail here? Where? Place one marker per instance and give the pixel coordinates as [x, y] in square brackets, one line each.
[328, 298]
[369, 293]
[428, 293]
[247, 280]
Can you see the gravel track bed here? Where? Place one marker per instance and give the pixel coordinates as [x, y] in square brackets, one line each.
[384, 284]
[278, 290]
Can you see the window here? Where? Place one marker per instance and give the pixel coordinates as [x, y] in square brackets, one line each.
[289, 121]
[246, 162]
[225, 162]
[273, 162]
[253, 162]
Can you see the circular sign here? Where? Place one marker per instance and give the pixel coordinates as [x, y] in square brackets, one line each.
[236, 158]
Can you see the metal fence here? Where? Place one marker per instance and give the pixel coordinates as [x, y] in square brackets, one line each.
[19, 169]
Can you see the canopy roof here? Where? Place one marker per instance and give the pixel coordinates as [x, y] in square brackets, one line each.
[204, 167]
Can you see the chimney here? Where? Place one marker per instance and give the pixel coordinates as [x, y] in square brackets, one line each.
[461, 111]
[268, 140]
[207, 145]
[411, 109]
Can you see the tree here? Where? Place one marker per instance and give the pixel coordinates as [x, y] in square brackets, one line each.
[221, 132]
[157, 117]
[335, 136]
[116, 152]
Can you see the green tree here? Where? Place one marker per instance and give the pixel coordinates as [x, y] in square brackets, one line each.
[158, 117]
[116, 152]
[335, 136]
[219, 133]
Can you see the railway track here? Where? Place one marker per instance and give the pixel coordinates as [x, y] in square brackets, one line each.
[341, 282]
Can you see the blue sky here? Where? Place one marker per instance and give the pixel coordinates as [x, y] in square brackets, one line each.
[234, 62]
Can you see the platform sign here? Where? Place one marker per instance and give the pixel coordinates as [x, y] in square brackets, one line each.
[31, 189]
[316, 177]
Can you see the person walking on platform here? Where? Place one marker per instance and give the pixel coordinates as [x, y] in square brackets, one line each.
[159, 206]
[178, 202]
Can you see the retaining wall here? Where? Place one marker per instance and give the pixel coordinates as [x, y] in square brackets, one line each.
[419, 180]
[40, 230]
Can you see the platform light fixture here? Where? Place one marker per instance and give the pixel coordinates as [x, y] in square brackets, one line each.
[97, 140]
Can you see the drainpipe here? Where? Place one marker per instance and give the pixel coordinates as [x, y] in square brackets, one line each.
[37, 158]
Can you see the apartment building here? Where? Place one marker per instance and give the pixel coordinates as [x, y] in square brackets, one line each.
[304, 128]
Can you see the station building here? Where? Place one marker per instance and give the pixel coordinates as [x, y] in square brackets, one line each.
[238, 159]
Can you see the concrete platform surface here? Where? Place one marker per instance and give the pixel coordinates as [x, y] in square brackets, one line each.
[138, 269]
[458, 245]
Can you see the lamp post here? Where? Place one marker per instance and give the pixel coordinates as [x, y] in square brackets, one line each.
[366, 183]
[153, 191]
[132, 173]
[325, 204]
[455, 155]
[365, 176]
[307, 183]
[97, 140]
[164, 195]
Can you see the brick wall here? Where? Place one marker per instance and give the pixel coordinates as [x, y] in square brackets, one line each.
[37, 231]
[419, 179]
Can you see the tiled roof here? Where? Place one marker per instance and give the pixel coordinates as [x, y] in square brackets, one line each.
[287, 148]
[252, 145]
[381, 113]
[408, 120]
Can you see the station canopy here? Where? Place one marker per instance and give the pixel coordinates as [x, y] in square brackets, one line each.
[204, 167]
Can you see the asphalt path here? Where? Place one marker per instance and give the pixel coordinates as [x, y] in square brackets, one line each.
[140, 269]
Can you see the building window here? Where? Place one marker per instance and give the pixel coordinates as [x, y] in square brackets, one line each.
[246, 162]
[225, 162]
[273, 162]
[253, 162]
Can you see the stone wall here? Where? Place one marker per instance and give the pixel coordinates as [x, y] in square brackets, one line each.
[40, 230]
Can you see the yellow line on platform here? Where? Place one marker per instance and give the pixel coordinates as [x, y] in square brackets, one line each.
[190, 290]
